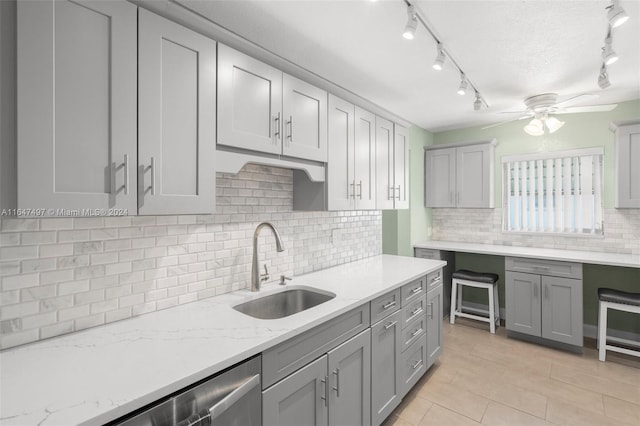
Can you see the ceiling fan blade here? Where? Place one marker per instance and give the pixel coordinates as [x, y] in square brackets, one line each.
[593, 108]
[576, 99]
[505, 122]
[513, 112]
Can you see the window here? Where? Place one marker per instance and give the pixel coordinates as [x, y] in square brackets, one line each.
[557, 192]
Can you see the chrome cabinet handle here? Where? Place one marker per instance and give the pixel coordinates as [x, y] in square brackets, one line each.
[360, 192]
[416, 290]
[153, 176]
[431, 310]
[416, 364]
[398, 188]
[276, 121]
[415, 333]
[416, 311]
[391, 324]
[290, 124]
[337, 386]
[323, 395]
[389, 305]
[126, 174]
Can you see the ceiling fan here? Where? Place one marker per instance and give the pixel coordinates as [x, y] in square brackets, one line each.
[542, 109]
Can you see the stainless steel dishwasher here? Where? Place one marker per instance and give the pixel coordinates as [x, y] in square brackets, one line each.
[230, 398]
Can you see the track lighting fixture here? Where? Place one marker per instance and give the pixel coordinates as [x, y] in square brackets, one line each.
[603, 78]
[616, 15]
[412, 23]
[609, 56]
[477, 104]
[439, 62]
[463, 85]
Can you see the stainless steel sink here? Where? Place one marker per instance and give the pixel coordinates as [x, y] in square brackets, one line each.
[283, 304]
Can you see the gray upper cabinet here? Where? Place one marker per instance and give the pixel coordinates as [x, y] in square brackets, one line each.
[250, 102]
[262, 109]
[76, 105]
[299, 399]
[462, 176]
[176, 113]
[350, 382]
[627, 170]
[392, 165]
[352, 157]
[304, 110]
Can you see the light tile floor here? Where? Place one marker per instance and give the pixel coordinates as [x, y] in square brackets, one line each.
[493, 380]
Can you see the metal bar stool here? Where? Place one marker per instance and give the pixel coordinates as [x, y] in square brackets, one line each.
[622, 301]
[484, 280]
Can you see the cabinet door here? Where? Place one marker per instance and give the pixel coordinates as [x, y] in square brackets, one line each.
[401, 167]
[386, 380]
[350, 382]
[562, 310]
[176, 112]
[299, 399]
[384, 164]
[304, 110]
[434, 324]
[340, 177]
[249, 102]
[522, 301]
[76, 89]
[440, 176]
[627, 170]
[365, 160]
[474, 176]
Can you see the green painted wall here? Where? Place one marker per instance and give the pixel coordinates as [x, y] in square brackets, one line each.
[403, 228]
[579, 131]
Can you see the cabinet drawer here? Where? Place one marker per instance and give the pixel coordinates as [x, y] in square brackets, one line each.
[385, 305]
[425, 253]
[413, 363]
[413, 310]
[434, 279]
[414, 331]
[544, 267]
[412, 291]
[289, 356]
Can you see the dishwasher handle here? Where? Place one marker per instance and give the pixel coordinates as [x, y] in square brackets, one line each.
[221, 406]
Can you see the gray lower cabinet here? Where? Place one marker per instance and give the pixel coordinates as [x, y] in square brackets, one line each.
[434, 324]
[543, 305]
[386, 381]
[335, 389]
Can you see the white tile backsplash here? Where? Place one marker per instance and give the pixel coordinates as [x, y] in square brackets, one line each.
[621, 231]
[59, 275]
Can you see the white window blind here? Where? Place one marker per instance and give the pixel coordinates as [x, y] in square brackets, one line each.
[553, 192]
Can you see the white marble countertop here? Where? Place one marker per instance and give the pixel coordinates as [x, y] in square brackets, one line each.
[97, 375]
[598, 258]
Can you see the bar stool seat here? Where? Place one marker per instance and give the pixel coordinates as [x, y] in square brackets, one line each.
[621, 301]
[484, 280]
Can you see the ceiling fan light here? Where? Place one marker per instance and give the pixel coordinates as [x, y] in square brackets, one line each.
[616, 15]
[553, 124]
[463, 85]
[412, 24]
[439, 62]
[535, 127]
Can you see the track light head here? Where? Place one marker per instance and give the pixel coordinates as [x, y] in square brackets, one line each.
[463, 85]
[439, 62]
[609, 56]
[412, 23]
[603, 78]
[477, 104]
[616, 15]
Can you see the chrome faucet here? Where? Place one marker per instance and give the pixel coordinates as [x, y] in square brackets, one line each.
[255, 267]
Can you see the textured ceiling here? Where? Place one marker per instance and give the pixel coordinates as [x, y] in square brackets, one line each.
[510, 49]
